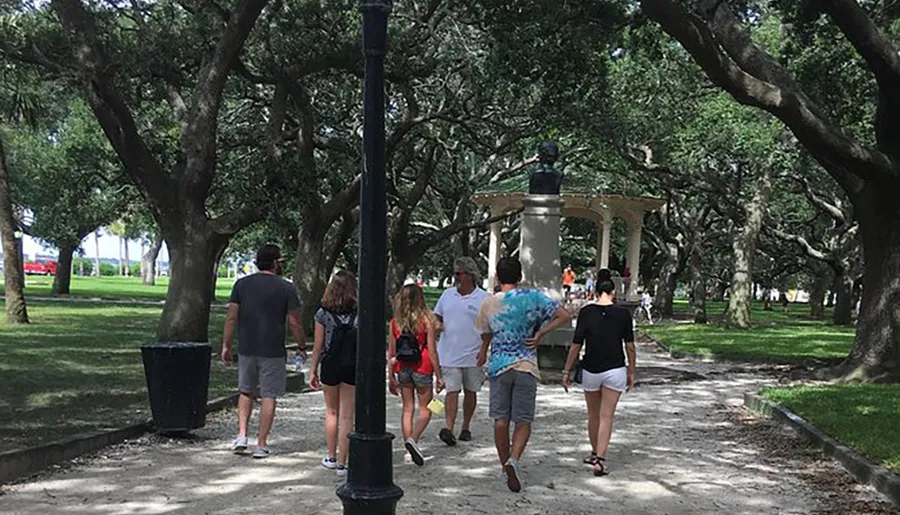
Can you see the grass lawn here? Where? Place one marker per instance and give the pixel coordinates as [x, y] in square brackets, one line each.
[863, 416]
[77, 367]
[775, 334]
[117, 288]
[131, 288]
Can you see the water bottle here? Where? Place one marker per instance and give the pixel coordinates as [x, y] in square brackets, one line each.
[298, 363]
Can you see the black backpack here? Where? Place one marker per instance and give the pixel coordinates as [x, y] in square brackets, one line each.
[342, 347]
[408, 349]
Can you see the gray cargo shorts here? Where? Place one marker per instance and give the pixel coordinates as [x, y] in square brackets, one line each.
[269, 374]
[513, 394]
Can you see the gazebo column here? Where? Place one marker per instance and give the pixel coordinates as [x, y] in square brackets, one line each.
[494, 249]
[633, 257]
[604, 228]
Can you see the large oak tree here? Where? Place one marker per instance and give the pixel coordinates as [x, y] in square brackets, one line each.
[715, 35]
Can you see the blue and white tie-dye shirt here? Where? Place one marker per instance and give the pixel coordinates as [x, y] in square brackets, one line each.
[512, 318]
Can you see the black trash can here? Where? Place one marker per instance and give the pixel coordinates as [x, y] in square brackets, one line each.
[178, 384]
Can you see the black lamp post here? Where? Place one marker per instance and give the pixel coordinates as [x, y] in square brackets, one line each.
[370, 488]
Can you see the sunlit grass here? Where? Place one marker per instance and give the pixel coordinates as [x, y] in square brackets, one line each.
[863, 416]
[775, 334]
[115, 288]
[77, 367]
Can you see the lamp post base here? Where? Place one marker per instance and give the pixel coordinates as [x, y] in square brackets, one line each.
[370, 490]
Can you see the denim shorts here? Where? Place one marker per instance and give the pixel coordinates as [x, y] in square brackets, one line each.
[408, 376]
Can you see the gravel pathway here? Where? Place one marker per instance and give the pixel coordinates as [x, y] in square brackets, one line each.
[681, 446]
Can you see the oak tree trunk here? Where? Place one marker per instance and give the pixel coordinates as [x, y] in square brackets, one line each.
[843, 307]
[14, 278]
[308, 266]
[63, 279]
[876, 350]
[149, 261]
[193, 250]
[719, 291]
[668, 274]
[817, 295]
[744, 248]
[698, 283]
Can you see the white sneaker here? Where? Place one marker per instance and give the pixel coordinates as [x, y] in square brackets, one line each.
[329, 463]
[414, 452]
[341, 471]
[513, 476]
[262, 452]
[239, 445]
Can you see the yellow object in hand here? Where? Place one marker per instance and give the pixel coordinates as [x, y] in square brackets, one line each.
[436, 406]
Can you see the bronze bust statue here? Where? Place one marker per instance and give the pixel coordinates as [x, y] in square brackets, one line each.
[544, 179]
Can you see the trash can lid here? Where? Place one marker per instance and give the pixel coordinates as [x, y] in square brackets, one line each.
[175, 345]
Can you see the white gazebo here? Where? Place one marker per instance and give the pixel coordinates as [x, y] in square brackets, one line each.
[601, 208]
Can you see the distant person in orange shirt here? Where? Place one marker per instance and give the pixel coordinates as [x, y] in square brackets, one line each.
[568, 280]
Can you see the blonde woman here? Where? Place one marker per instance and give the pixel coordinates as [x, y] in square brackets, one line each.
[333, 366]
[413, 364]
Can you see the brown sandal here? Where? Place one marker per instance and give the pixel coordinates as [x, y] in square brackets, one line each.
[599, 468]
[590, 460]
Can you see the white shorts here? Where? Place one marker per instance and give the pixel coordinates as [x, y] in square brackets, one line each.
[459, 378]
[614, 379]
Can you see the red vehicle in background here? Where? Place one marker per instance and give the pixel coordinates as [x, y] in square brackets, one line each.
[40, 267]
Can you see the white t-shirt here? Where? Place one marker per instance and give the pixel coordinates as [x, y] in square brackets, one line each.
[460, 340]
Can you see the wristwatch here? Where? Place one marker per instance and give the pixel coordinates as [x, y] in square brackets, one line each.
[566, 372]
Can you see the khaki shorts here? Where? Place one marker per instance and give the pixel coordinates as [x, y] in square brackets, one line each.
[469, 379]
[268, 374]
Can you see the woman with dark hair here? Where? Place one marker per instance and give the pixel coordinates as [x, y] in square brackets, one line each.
[608, 332]
[335, 351]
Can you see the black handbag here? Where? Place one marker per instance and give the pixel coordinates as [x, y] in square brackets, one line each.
[577, 374]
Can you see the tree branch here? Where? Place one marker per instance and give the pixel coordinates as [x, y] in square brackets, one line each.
[229, 224]
[426, 242]
[844, 158]
[342, 202]
[871, 43]
[805, 245]
[198, 139]
[109, 107]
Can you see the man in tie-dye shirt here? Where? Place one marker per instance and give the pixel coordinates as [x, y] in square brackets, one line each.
[512, 324]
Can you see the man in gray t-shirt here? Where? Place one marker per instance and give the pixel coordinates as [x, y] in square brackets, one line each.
[259, 306]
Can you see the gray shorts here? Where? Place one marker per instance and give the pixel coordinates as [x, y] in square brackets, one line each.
[408, 376]
[469, 379]
[269, 374]
[513, 394]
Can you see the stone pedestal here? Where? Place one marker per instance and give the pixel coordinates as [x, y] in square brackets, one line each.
[539, 244]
